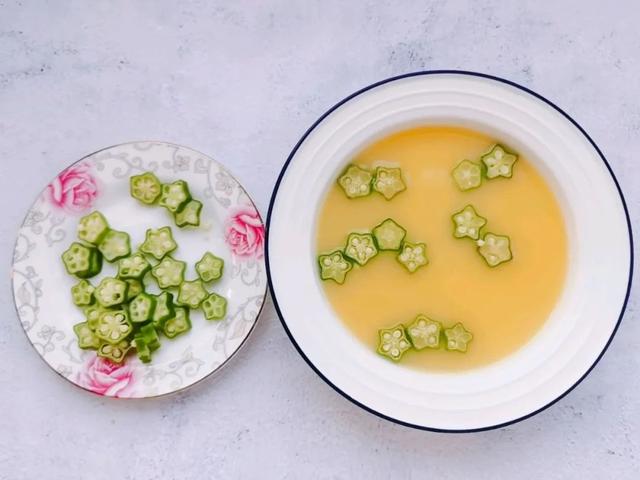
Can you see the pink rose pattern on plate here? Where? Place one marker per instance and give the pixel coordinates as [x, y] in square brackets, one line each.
[74, 190]
[104, 377]
[245, 232]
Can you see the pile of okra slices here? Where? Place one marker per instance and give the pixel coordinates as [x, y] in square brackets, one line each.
[121, 315]
[361, 247]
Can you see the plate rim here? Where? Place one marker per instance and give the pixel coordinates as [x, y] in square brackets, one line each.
[211, 374]
[467, 73]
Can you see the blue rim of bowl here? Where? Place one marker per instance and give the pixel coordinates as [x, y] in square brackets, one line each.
[471, 74]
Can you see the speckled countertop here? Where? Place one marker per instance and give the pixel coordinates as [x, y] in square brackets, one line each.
[242, 81]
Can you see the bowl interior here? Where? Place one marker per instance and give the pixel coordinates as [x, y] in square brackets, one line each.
[584, 318]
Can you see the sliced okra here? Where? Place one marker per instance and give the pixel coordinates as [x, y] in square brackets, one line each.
[134, 266]
[115, 245]
[141, 308]
[111, 292]
[114, 351]
[81, 260]
[393, 342]
[499, 162]
[424, 332]
[189, 215]
[87, 339]
[174, 196]
[150, 335]
[145, 187]
[495, 249]
[82, 293]
[214, 307]
[209, 267]
[360, 247]
[388, 182]
[356, 182]
[135, 288]
[93, 228]
[389, 235]
[164, 309]
[457, 338]
[169, 272]
[114, 326]
[334, 266]
[191, 293]
[178, 324]
[467, 223]
[467, 175]
[142, 349]
[413, 256]
[92, 315]
[159, 243]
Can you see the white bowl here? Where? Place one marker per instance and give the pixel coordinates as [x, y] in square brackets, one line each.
[577, 332]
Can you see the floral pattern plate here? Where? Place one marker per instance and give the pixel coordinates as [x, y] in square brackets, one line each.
[230, 228]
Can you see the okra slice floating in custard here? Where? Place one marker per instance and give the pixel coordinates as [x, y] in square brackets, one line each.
[424, 332]
[499, 162]
[413, 256]
[360, 247]
[457, 338]
[334, 266]
[356, 182]
[388, 182]
[393, 342]
[145, 187]
[389, 235]
[467, 223]
[467, 175]
[495, 249]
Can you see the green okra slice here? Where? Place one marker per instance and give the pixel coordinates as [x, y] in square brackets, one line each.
[388, 182]
[169, 272]
[159, 243]
[457, 338]
[115, 245]
[179, 324]
[145, 187]
[393, 342]
[189, 215]
[164, 309]
[111, 292]
[114, 326]
[334, 266]
[87, 339]
[356, 182]
[114, 351]
[424, 333]
[135, 288]
[360, 247]
[141, 308]
[191, 293]
[413, 256]
[209, 267]
[467, 223]
[92, 228]
[92, 315]
[81, 260]
[134, 266]
[174, 195]
[82, 293]
[495, 249]
[467, 175]
[389, 235]
[499, 162]
[214, 307]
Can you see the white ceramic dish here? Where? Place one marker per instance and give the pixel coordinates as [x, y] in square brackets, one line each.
[600, 262]
[230, 227]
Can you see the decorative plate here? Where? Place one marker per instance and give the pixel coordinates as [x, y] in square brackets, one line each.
[230, 227]
[576, 333]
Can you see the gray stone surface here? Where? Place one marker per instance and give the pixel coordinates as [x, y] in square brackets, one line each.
[242, 81]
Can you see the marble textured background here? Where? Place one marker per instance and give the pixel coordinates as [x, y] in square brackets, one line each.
[242, 81]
